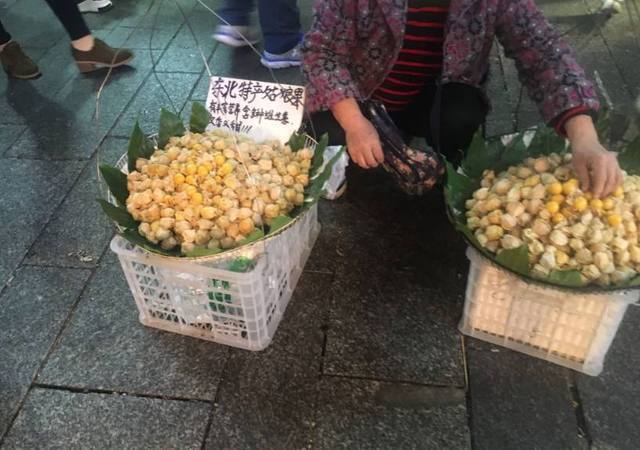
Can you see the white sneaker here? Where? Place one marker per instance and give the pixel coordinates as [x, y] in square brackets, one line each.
[235, 36]
[292, 58]
[94, 6]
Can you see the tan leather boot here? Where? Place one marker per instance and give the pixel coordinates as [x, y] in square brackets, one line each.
[101, 56]
[17, 64]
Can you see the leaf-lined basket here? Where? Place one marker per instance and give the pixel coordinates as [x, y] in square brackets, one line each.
[140, 146]
[498, 154]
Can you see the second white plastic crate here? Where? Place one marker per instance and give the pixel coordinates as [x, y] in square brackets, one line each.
[205, 298]
[574, 330]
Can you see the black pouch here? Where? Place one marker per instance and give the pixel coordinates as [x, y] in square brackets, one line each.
[415, 171]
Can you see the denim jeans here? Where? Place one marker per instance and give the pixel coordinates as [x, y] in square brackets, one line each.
[279, 20]
[67, 13]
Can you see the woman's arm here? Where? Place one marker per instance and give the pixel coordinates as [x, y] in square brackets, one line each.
[596, 167]
[546, 65]
[556, 82]
[363, 142]
[326, 54]
[326, 51]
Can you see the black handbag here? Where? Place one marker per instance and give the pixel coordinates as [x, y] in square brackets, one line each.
[415, 171]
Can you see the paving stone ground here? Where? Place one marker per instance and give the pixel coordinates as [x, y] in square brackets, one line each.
[368, 354]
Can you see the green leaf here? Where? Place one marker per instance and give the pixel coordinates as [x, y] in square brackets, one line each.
[118, 214]
[297, 141]
[202, 251]
[279, 222]
[139, 147]
[459, 188]
[569, 278]
[170, 125]
[546, 141]
[242, 265]
[316, 187]
[199, 119]
[117, 182]
[512, 154]
[479, 157]
[516, 259]
[254, 236]
[633, 282]
[629, 158]
[318, 155]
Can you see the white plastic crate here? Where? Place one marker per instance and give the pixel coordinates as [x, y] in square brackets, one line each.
[574, 330]
[202, 298]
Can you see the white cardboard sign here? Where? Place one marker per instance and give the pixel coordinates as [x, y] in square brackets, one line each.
[261, 110]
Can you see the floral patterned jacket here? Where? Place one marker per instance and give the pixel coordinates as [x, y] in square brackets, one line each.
[353, 44]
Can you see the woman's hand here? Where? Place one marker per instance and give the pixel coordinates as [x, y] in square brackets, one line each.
[596, 167]
[363, 142]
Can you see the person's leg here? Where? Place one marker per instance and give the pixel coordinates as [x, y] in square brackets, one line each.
[90, 53]
[237, 12]
[239, 33]
[462, 111]
[280, 23]
[14, 61]
[321, 123]
[69, 16]
[5, 37]
[458, 116]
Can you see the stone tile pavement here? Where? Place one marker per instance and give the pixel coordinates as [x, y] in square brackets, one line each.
[368, 354]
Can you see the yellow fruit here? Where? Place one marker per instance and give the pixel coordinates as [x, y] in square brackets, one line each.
[553, 207]
[225, 169]
[191, 169]
[197, 198]
[190, 189]
[596, 204]
[558, 198]
[580, 204]
[532, 181]
[178, 179]
[219, 160]
[246, 226]
[619, 192]
[203, 171]
[555, 188]
[569, 187]
[614, 220]
[190, 179]
[557, 218]
[607, 203]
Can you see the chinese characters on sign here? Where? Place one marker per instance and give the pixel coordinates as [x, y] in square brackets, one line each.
[255, 108]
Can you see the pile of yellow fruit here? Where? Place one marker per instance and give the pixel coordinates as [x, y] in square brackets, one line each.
[214, 189]
[539, 203]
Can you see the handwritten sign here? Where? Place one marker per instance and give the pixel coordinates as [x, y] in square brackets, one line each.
[258, 109]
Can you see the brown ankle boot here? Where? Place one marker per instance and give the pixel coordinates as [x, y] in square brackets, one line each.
[100, 56]
[17, 64]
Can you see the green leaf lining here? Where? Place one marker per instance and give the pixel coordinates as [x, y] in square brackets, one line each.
[117, 182]
[279, 222]
[516, 259]
[139, 147]
[118, 214]
[199, 119]
[170, 125]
